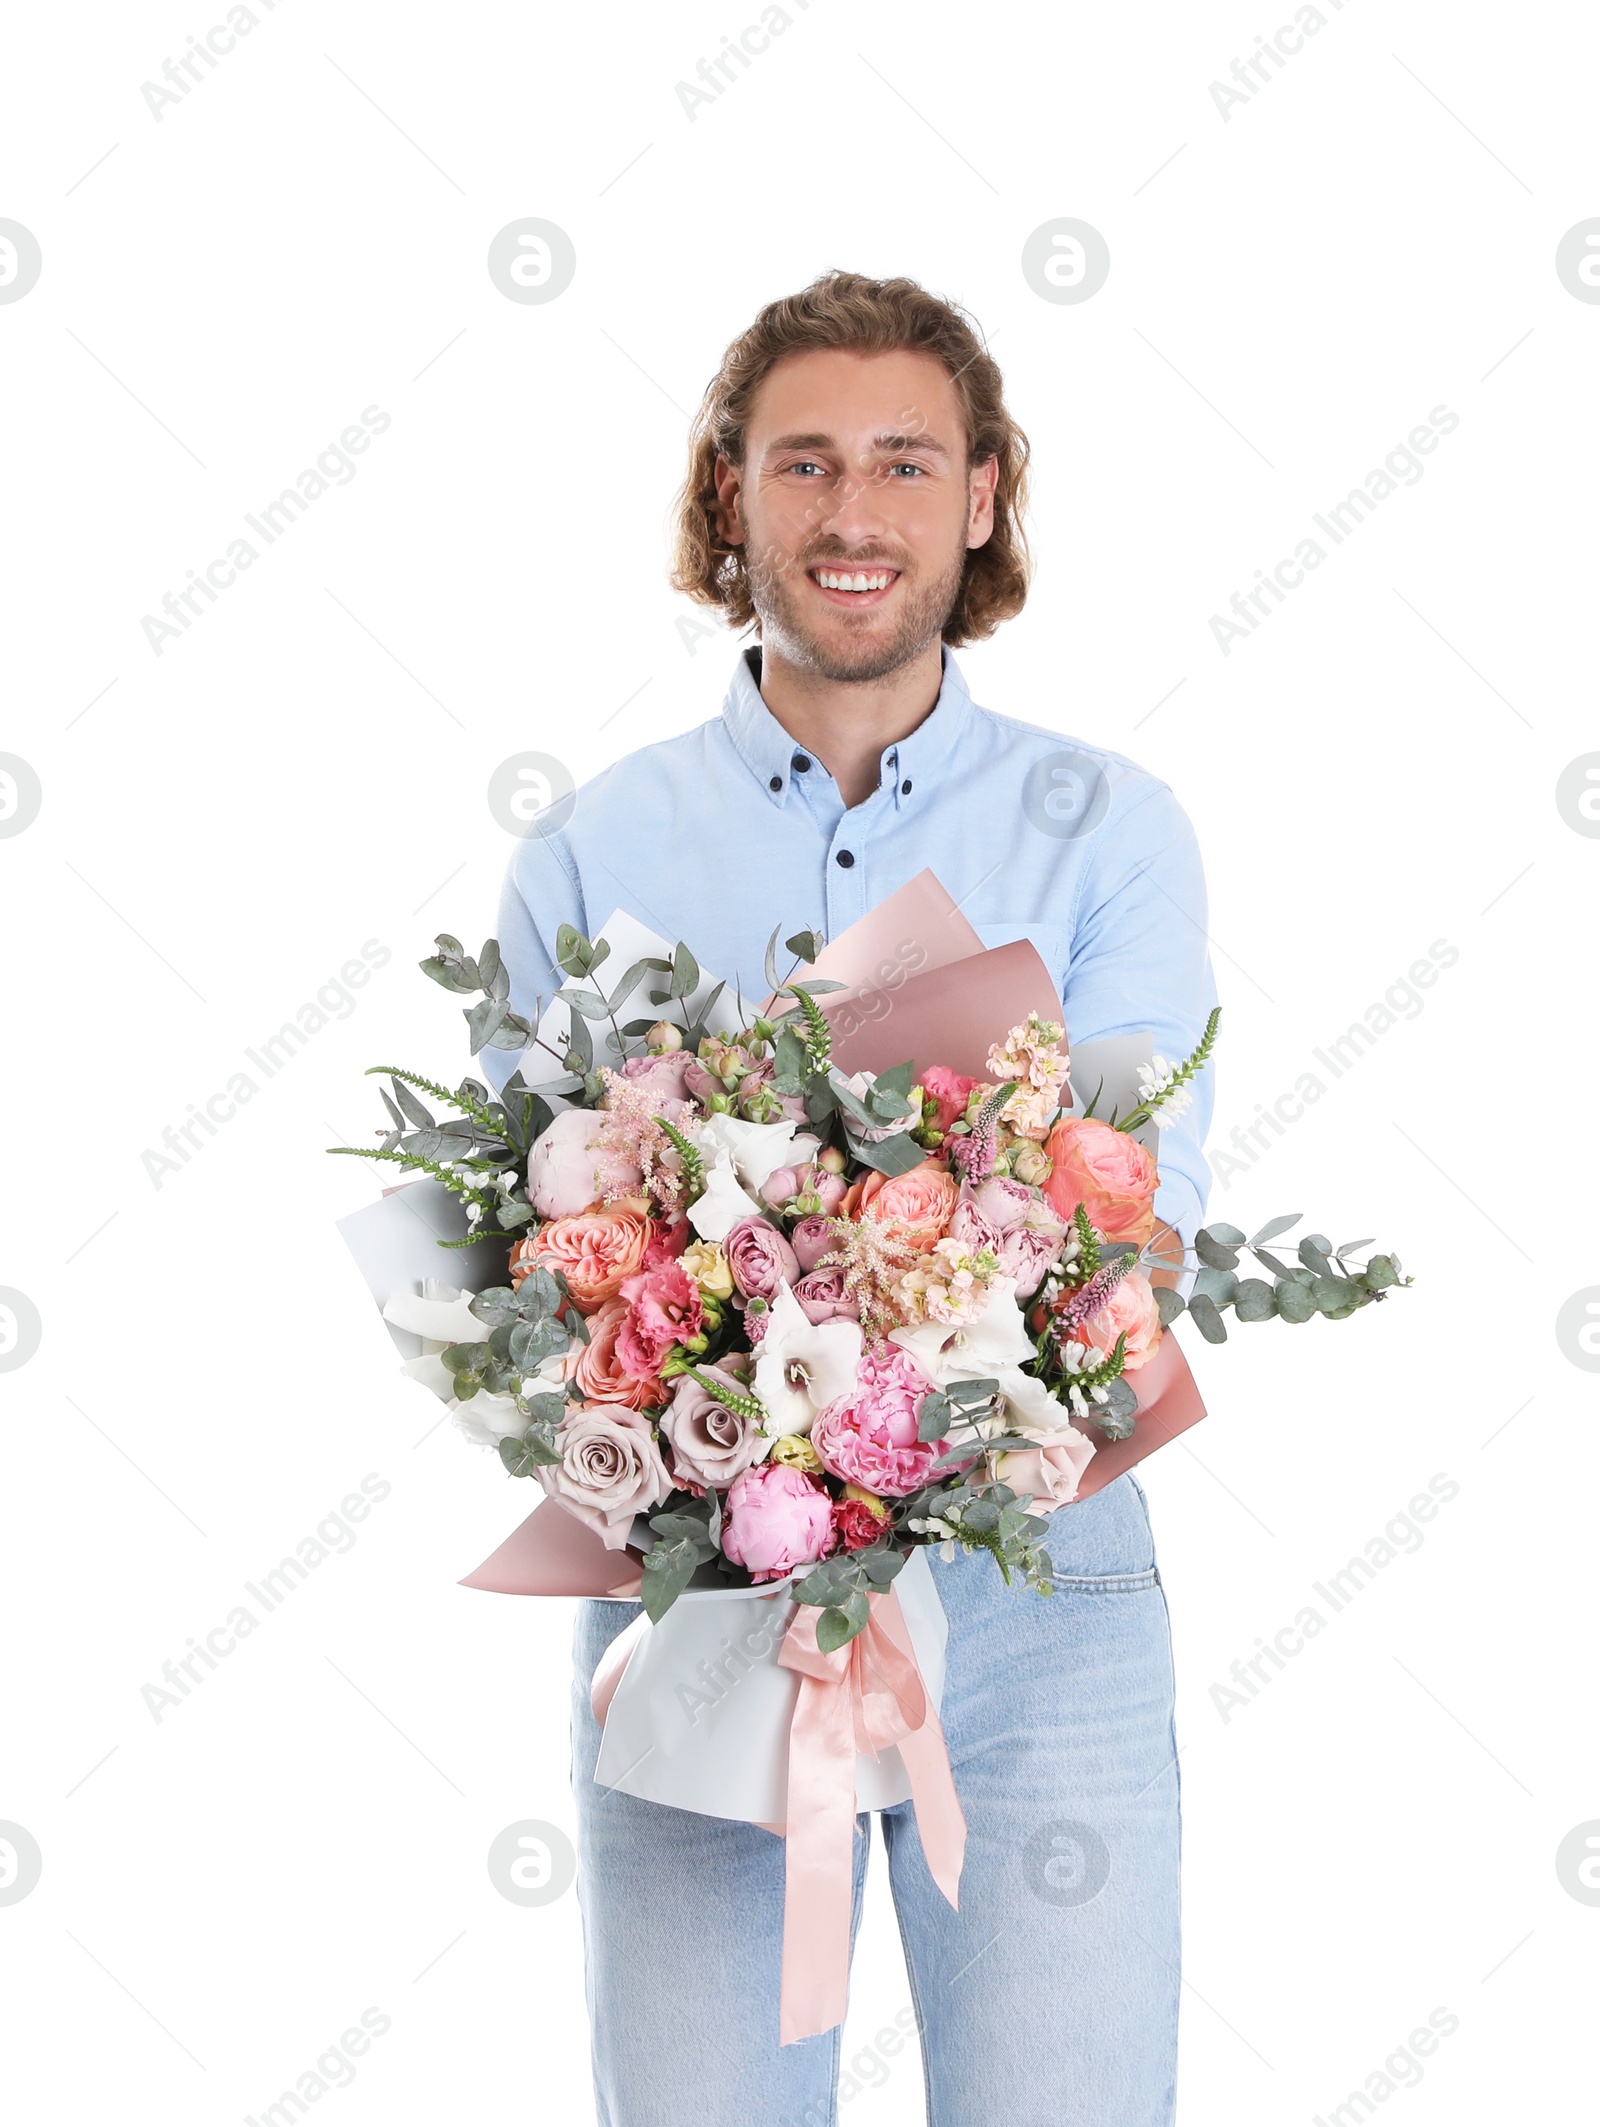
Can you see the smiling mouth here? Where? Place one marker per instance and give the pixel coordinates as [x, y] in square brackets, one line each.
[854, 587]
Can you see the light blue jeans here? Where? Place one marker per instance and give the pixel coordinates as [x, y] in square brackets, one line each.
[1050, 1999]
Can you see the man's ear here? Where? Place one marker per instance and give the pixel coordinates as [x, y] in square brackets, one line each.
[728, 482]
[980, 491]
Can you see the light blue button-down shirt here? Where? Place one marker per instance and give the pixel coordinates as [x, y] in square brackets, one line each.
[717, 835]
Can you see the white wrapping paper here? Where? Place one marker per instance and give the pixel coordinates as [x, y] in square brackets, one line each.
[701, 1717]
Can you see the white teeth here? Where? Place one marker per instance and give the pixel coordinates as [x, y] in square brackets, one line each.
[832, 581]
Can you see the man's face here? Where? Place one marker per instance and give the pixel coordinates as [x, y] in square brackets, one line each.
[855, 467]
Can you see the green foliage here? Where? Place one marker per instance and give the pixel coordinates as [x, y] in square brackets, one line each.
[1323, 1281]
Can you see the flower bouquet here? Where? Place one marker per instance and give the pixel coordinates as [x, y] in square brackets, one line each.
[766, 1325]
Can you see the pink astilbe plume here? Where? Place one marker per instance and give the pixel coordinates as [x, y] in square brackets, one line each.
[631, 1127]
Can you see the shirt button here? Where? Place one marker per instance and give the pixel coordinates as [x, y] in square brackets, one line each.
[905, 788]
[800, 763]
[776, 783]
[844, 859]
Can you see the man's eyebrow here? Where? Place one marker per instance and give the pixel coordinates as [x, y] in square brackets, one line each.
[886, 440]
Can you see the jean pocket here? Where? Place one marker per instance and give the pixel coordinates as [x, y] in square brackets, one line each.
[1106, 1583]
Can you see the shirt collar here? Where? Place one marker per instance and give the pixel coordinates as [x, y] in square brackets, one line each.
[769, 752]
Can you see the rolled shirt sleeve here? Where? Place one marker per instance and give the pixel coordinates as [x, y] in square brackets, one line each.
[1140, 962]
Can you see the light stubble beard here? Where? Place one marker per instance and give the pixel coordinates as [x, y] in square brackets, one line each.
[925, 608]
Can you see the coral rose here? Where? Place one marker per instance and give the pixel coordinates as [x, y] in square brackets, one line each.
[1129, 1310]
[600, 1373]
[916, 1205]
[1108, 1172]
[594, 1252]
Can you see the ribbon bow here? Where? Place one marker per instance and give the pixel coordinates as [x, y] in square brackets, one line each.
[867, 1695]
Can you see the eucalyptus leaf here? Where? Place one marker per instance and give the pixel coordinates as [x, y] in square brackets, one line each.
[1169, 1305]
[1214, 1253]
[1253, 1301]
[1206, 1319]
[1294, 1301]
[1218, 1286]
[1274, 1227]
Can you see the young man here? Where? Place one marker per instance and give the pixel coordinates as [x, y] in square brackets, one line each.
[855, 491]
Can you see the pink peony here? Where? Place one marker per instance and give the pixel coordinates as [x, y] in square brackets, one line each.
[813, 1238]
[950, 1090]
[971, 1228]
[1004, 1202]
[822, 1296]
[1027, 1252]
[869, 1436]
[759, 1258]
[663, 1310]
[776, 1518]
[1129, 1310]
[566, 1174]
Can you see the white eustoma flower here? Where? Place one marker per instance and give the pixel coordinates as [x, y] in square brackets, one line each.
[802, 1366]
[971, 1351]
[722, 1203]
[756, 1149]
[486, 1420]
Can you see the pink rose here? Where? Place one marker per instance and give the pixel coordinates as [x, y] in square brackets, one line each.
[813, 1237]
[610, 1470]
[663, 1074]
[758, 1099]
[783, 1184]
[776, 1519]
[916, 1206]
[1108, 1172]
[759, 1258]
[711, 1445]
[869, 1435]
[1129, 1310]
[1004, 1202]
[950, 1090]
[566, 1173]
[663, 1310]
[822, 1296]
[1051, 1472]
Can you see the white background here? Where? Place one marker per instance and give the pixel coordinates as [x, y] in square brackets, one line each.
[1293, 288]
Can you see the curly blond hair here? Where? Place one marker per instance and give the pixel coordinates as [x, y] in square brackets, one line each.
[850, 310]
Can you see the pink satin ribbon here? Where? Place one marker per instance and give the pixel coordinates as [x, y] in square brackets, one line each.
[868, 1695]
[865, 1696]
